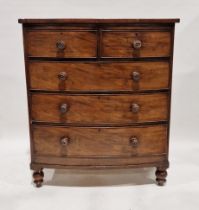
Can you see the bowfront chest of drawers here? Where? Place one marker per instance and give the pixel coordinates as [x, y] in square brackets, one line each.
[99, 93]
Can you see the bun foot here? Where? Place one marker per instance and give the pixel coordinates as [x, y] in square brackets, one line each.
[38, 178]
[161, 175]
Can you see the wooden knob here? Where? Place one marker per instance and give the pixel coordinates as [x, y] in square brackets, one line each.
[136, 76]
[64, 141]
[62, 76]
[63, 108]
[137, 44]
[135, 108]
[60, 45]
[133, 141]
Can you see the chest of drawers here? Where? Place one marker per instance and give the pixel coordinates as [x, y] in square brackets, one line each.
[99, 93]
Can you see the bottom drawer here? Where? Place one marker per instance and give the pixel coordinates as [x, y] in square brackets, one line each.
[92, 142]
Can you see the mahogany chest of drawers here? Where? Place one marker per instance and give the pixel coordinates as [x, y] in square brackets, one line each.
[99, 93]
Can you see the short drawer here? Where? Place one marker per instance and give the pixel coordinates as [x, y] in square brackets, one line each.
[99, 142]
[99, 109]
[102, 76]
[66, 44]
[135, 44]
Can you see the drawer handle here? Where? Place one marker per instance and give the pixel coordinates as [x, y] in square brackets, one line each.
[137, 44]
[133, 141]
[62, 76]
[60, 45]
[64, 141]
[135, 108]
[63, 108]
[136, 76]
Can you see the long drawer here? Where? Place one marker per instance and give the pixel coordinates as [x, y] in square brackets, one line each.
[99, 142]
[100, 76]
[99, 109]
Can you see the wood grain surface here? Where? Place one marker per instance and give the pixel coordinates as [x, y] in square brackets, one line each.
[100, 142]
[100, 76]
[99, 109]
[77, 44]
[120, 44]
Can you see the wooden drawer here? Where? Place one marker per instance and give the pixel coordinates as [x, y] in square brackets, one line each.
[66, 44]
[135, 44]
[99, 109]
[102, 76]
[99, 142]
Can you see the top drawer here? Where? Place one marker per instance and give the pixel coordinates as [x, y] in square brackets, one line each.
[128, 44]
[62, 44]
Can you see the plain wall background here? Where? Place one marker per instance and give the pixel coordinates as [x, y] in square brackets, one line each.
[13, 105]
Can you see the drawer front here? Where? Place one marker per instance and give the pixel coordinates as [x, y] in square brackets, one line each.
[99, 142]
[136, 44]
[99, 76]
[66, 44]
[97, 109]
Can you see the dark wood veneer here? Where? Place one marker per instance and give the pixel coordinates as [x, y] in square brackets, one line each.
[120, 44]
[99, 93]
[100, 142]
[100, 109]
[74, 43]
[99, 76]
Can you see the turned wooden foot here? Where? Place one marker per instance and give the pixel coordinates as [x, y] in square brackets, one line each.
[38, 177]
[161, 175]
